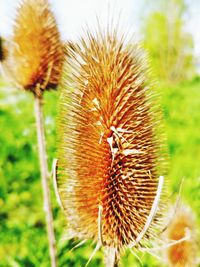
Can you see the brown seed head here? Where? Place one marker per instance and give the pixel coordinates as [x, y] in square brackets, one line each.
[36, 52]
[2, 50]
[183, 225]
[109, 150]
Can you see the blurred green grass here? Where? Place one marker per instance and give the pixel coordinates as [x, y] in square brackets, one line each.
[23, 239]
[181, 108]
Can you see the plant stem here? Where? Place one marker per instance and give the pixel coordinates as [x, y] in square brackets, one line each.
[45, 178]
[111, 257]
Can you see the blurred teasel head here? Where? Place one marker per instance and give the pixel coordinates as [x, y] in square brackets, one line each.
[110, 143]
[2, 50]
[35, 52]
[182, 230]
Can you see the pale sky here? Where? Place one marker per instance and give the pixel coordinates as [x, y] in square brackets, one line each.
[193, 25]
[72, 16]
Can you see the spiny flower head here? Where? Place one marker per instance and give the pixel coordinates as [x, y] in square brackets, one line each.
[36, 51]
[183, 254]
[109, 152]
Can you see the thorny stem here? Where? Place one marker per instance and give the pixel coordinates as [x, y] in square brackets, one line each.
[45, 179]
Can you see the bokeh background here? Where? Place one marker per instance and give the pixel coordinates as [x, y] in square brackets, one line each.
[169, 31]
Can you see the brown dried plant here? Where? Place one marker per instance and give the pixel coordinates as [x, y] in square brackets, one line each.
[35, 53]
[110, 144]
[182, 227]
[34, 63]
[2, 50]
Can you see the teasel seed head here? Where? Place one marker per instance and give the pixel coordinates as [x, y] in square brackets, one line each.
[110, 148]
[36, 53]
[182, 254]
[2, 50]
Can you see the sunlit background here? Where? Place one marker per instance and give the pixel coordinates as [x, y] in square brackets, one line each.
[72, 16]
[170, 32]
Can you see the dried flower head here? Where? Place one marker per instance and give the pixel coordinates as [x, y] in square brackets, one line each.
[2, 52]
[182, 254]
[110, 156]
[36, 52]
